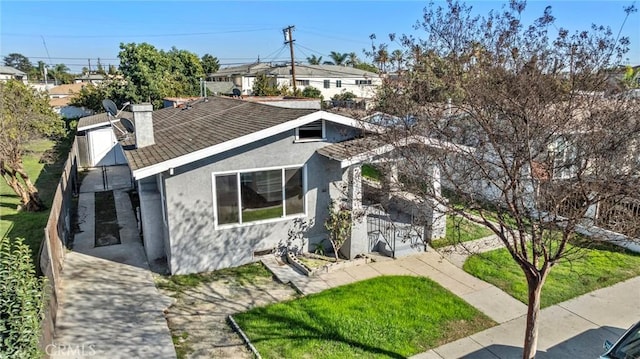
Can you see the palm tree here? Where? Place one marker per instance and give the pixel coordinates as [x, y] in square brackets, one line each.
[352, 59]
[381, 58]
[60, 73]
[314, 60]
[396, 57]
[338, 58]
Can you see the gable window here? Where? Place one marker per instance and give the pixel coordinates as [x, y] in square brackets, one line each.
[313, 131]
[338, 83]
[327, 84]
[363, 82]
[261, 195]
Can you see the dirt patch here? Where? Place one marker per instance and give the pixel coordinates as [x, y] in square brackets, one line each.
[197, 319]
[107, 229]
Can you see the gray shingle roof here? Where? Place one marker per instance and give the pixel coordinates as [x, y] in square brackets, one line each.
[11, 71]
[181, 131]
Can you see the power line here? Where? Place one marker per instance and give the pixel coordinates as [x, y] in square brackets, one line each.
[139, 35]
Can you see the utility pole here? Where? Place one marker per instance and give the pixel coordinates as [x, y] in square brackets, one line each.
[288, 39]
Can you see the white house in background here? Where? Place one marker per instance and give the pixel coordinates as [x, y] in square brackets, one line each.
[9, 73]
[89, 78]
[329, 79]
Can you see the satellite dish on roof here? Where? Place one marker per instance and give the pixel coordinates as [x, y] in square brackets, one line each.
[127, 124]
[236, 92]
[110, 107]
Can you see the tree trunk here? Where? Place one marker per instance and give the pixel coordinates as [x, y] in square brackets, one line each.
[28, 194]
[533, 311]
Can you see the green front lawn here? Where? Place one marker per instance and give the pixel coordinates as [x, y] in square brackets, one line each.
[461, 230]
[389, 316]
[595, 268]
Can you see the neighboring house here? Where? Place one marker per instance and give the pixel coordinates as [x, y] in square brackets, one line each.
[90, 78]
[97, 141]
[61, 96]
[9, 73]
[329, 79]
[223, 180]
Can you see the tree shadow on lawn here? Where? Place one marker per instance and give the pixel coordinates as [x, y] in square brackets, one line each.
[322, 334]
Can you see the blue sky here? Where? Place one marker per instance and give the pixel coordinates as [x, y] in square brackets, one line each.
[240, 31]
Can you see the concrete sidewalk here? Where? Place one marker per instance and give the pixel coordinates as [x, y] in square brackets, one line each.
[110, 307]
[573, 329]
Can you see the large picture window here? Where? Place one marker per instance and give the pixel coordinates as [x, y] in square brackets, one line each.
[249, 196]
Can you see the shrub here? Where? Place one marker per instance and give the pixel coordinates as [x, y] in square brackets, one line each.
[21, 301]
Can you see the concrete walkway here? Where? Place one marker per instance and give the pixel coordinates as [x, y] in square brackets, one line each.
[110, 307]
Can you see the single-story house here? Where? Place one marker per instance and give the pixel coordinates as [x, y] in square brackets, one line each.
[223, 180]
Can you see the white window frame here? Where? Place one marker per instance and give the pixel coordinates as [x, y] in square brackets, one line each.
[302, 140]
[285, 217]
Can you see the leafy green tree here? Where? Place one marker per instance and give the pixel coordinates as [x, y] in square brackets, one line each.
[91, 95]
[264, 86]
[153, 74]
[25, 115]
[210, 64]
[21, 302]
[19, 62]
[314, 60]
[311, 92]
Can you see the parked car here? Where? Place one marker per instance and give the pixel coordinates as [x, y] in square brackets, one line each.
[627, 347]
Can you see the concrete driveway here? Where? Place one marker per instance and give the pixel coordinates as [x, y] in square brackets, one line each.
[110, 307]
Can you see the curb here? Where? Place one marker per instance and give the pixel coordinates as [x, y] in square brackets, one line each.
[244, 337]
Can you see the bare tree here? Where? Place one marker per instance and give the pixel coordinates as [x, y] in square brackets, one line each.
[530, 142]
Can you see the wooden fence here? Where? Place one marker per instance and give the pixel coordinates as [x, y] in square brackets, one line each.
[56, 236]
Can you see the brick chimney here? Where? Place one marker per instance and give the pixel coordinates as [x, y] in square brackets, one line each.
[143, 120]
